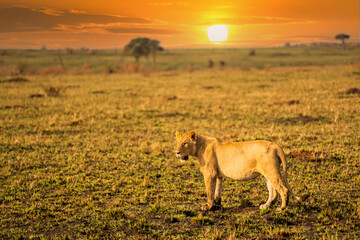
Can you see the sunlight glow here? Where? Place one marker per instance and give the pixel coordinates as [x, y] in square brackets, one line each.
[217, 33]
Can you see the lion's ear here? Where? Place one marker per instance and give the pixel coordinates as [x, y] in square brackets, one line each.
[193, 135]
[178, 135]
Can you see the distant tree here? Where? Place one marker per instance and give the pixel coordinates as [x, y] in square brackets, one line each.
[142, 47]
[252, 53]
[22, 67]
[91, 51]
[154, 47]
[69, 51]
[138, 47]
[211, 63]
[342, 37]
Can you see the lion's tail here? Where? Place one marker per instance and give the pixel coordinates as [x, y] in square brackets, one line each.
[282, 157]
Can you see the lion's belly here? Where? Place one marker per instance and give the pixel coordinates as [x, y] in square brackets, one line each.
[238, 171]
[239, 161]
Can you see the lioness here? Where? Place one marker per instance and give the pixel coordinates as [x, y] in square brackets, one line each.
[237, 160]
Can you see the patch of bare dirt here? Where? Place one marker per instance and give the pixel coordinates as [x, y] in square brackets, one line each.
[299, 119]
[170, 98]
[315, 156]
[15, 80]
[263, 86]
[61, 132]
[98, 92]
[287, 102]
[166, 115]
[73, 86]
[353, 90]
[211, 87]
[302, 155]
[12, 107]
[36, 96]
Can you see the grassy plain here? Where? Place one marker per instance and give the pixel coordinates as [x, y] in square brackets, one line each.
[96, 161]
[81, 62]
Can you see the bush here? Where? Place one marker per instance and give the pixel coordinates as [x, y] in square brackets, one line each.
[52, 91]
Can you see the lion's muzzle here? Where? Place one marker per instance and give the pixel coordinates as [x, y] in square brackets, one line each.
[178, 154]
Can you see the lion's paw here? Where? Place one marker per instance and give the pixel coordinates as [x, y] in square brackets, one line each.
[205, 207]
[263, 206]
[218, 201]
[279, 209]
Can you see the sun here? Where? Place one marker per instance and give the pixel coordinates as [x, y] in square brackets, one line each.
[217, 33]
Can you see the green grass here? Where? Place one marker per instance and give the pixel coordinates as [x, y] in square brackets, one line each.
[80, 62]
[97, 161]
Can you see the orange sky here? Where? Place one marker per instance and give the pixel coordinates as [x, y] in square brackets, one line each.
[177, 24]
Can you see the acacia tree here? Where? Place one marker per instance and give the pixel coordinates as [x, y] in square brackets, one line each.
[143, 47]
[342, 37]
[154, 47]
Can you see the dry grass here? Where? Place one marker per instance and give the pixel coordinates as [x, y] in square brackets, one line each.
[50, 70]
[8, 70]
[132, 67]
[98, 162]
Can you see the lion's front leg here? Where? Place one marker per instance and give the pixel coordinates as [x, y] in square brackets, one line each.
[210, 183]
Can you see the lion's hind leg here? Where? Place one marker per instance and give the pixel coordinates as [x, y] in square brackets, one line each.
[272, 195]
[271, 171]
[218, 190]
[283, 191]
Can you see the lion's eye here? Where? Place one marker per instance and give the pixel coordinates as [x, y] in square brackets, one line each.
[185, 144]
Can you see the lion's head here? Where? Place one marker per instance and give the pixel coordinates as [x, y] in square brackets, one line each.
[186, 144]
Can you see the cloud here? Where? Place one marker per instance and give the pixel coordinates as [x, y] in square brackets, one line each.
[22, 19]
[258, 20]
[142, 30]
[114, 28]
[49, 11]
[168, 4]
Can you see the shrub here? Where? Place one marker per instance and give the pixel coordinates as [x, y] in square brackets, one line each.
[69, 51]
[252, 53]
[21, 67]
[52, 91]
[132, 67]
[91, 51]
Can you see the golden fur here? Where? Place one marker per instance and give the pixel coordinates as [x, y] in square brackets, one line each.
[236, 160]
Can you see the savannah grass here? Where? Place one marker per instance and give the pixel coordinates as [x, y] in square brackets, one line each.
[96, 161]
